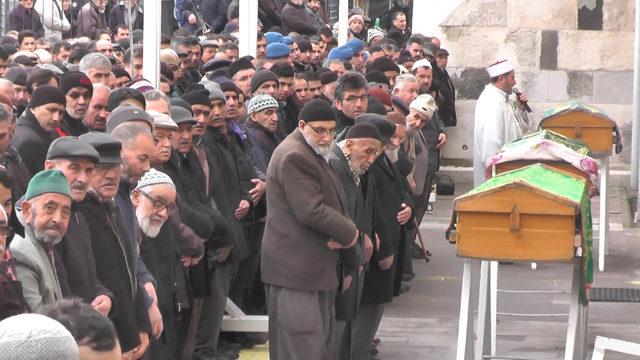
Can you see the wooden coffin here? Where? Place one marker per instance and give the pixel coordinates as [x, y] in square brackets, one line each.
[529, 214]
[582, 122]
[558, 165]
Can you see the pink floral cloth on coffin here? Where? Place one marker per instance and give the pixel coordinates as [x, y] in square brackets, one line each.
[547, 150]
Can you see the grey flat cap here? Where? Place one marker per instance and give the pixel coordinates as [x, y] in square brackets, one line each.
[107, 146]
[125, 113]
[71, 147]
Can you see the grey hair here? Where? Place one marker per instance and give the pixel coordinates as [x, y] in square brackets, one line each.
[128, 132]
[94, 60]
[404, 78]
[153, 95]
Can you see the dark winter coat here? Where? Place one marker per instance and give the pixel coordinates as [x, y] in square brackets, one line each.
[74, 261]
[71, 126]
[447, 109]
[264, 143]
[118, 16]
[272, 10]
[229, 184]
[32, 142]
[90, 21]
[22, 19]
[116, 269]
[390, 194]
[399, 37]
[19, 173]
[295, 18]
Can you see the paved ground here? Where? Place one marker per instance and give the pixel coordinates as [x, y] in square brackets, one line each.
[423, 323]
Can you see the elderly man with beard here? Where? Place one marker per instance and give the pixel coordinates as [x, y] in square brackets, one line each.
[78, 90]
[393, 209]
[46, 210]
[153, 200]
[96, 117]
[37, 126]
[74, 260]
[350, 159]
[112, 250]
[307, 223]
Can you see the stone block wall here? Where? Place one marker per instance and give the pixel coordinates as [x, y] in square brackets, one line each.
[562, 49]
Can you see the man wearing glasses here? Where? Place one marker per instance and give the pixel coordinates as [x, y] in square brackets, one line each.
[306, 225]
[78, 90]
[350, 99]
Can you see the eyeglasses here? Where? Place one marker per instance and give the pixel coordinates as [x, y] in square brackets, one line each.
[77, 95]
[6, 231]
[353, 98]
[323, 132]
[158, 205]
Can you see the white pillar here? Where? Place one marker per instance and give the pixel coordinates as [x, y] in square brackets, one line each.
[635, 133]
[248, 27]
[151, 41]
[343, 21]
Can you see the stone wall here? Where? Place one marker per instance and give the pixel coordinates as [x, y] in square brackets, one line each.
[563, 50]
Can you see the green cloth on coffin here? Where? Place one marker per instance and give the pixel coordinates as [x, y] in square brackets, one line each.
[561, 185]
[536, 137]
[574, 105]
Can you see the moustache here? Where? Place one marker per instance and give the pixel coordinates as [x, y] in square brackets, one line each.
[52, 226]
[185, 142]
[78, 186]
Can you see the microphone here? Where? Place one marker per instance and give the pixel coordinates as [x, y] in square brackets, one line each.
[524, 103]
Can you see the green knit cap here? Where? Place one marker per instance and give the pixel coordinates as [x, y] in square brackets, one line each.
[47, 181]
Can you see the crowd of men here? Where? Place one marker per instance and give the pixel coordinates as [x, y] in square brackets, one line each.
[292, 183]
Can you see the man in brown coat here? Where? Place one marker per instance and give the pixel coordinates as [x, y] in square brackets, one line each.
[306, 225]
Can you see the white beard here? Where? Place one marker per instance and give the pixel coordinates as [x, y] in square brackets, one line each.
[324, 151]
[144, 221]
[392, 154]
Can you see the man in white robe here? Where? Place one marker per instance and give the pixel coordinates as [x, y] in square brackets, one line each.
[499, 118]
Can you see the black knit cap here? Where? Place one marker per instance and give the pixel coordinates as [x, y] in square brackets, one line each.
[238, 65]
[261, 77]
[383, 64]
[73, 79]
[328, 77]
[387, 128]
[364, 130]
[196, 95]
[47, 94]
[317, 110]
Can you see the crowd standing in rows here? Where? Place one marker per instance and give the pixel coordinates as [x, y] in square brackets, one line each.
[292, 183]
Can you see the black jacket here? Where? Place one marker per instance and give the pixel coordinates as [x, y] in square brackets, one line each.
[390, 194]
[446, 109]
[20, 176]
[264, 143]
[74, 261]
[32, 142]
[398, 36]
[342, 121]
[229, 184]
[117, 16]
[71, 126]
[22, 19]
[116, 269]
[295, 18]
